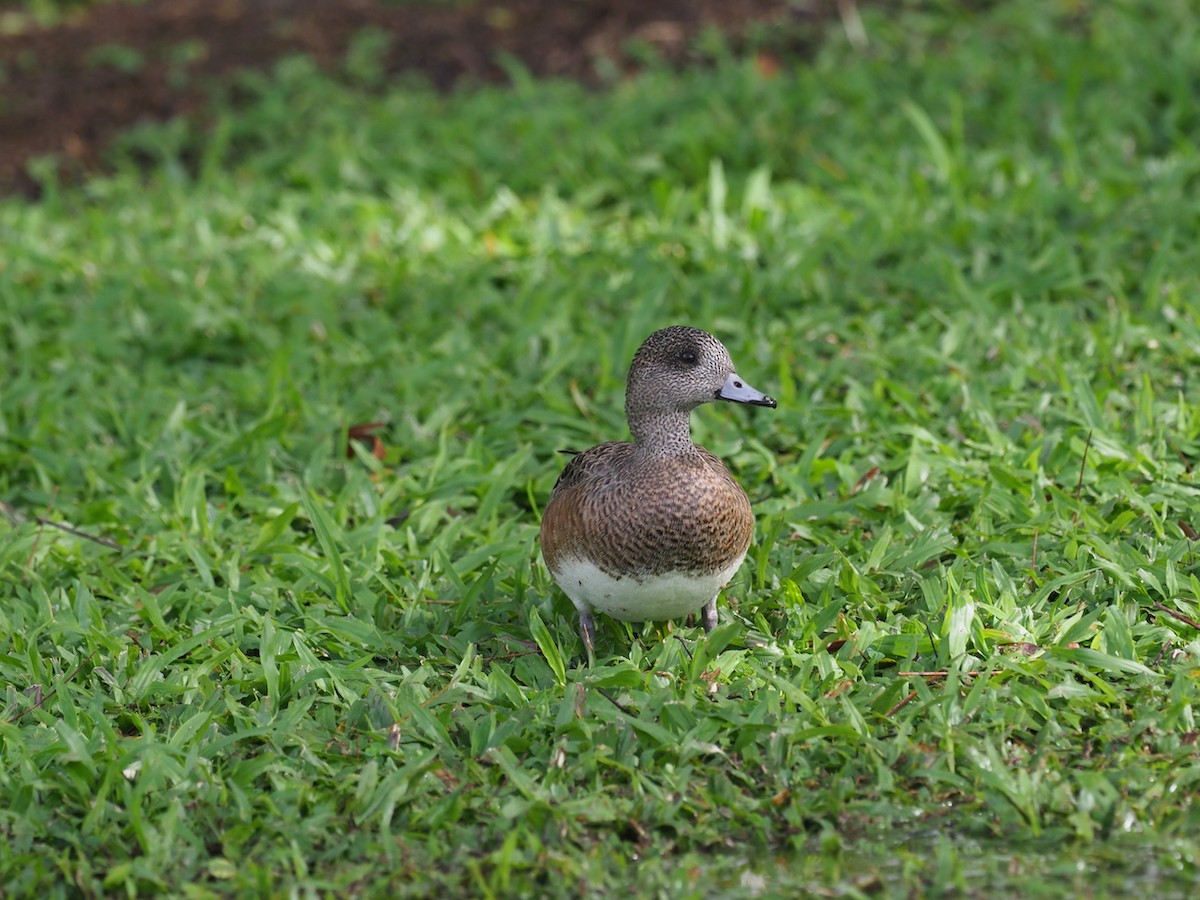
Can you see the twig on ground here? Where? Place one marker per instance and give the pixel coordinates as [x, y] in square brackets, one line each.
[62, 526]
[613, 700]
[17, 516]
[1079, 484]
[891, 712]
[942, 673]
[41, 700]
[1161, 653]
[1187, 620]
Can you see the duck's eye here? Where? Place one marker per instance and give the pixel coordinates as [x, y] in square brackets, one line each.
[688, 357]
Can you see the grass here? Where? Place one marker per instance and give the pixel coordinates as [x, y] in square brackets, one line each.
[962, 656]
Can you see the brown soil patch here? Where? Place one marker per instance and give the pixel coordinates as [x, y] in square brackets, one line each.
[68, 90]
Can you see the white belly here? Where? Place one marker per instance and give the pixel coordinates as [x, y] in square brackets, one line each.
[655, 599]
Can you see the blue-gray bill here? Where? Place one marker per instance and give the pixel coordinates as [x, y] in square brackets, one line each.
[736, 390]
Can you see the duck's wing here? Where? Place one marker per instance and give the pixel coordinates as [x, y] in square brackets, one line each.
[595, 464]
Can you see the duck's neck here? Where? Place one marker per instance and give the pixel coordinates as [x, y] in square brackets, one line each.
[662, 433]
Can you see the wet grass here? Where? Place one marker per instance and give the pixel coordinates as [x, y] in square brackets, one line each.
[962, 655]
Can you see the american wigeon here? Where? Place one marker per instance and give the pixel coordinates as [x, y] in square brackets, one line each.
[653, 529]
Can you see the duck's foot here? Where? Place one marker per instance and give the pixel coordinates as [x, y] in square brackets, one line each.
[587, 630]
[708, 615]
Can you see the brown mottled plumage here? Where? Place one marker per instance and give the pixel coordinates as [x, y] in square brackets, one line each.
[610, 510]
[653, 529]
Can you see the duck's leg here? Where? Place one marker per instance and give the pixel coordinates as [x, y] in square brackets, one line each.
[708, 615]
[587, 630]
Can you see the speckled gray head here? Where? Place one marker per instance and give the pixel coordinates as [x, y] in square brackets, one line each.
[678, 368]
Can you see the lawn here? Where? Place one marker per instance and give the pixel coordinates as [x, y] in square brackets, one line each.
[961, 250]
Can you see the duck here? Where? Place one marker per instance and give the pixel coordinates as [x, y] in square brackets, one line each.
[654, 528]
